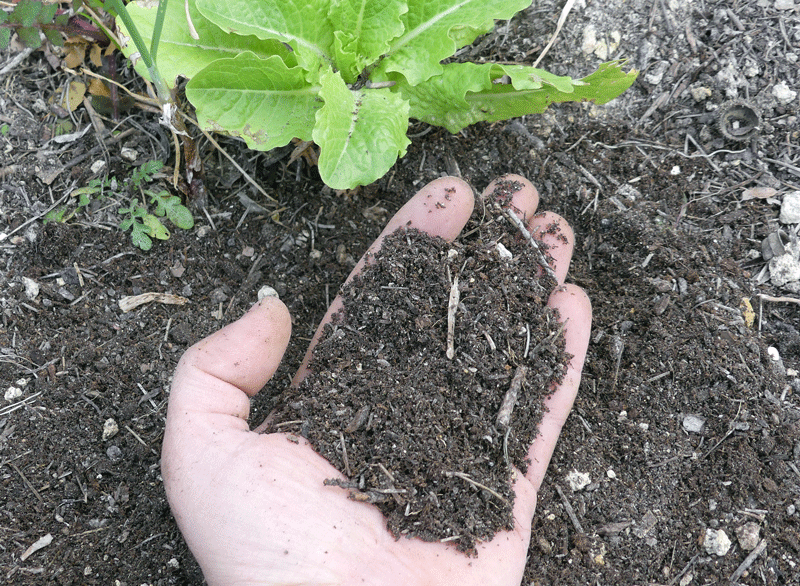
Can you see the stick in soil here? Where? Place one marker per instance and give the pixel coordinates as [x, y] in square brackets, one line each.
[512, 395]
[466, 478]
[452, 306]
[514, 219]
[344, 456]
[570, 511]
[748, 561]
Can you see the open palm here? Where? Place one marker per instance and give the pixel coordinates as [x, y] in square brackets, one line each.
[253, 507]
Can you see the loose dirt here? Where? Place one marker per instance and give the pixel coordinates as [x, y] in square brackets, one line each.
[426, 390]
[685, 422]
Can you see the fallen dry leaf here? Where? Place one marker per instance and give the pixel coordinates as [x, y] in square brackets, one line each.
[758, 193]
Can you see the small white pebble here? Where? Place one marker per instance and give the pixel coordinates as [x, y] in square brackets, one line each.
[716, 542]
[129, 154]
[266, 291]
[783, 93]
[12, 393]
[578, 480]
[110, 429]
[748, 535]
[694, 423]
[611, 474]
[31, 288]
[504, 252]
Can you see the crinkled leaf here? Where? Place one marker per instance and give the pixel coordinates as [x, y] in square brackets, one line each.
[140, 238]
[180, 54]
[260, 100]
[53, 37]
[171, 207]
[363, 30]
[303, 24]
[466, 93]
[30, 37]
[181, 217]
[47, 13]
[360, 133]
[155, 228]
[25, 12]
[435, 29]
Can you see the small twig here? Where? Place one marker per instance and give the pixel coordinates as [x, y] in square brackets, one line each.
[514, 219]
[16, 60]
[716, 445]
[684, 570]
[510, 400]
[385, 471]
[527, 340]
[27, 482]
[535, 350]
[778, 299]
[452, 307]
[748, 561]
[569, 509]
[344, 456]
[561, 20]
[233, 162]
[489, 339]
[466, 478]
[617, 348]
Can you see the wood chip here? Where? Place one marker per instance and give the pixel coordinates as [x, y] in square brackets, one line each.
[130, 303]
[40, 543]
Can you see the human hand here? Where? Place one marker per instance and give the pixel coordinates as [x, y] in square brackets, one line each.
[254, 509]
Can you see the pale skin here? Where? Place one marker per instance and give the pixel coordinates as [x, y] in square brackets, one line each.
[253, 507]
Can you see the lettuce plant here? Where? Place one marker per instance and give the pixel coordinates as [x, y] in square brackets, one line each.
[349, 74]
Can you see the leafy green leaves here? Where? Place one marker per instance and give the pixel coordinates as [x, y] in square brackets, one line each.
[28, 18]
[260, 100]
[350, 73]
[435, 29]
[362, 30]
[137, 218]
[180, 54]
[467, 93]
[360, 133]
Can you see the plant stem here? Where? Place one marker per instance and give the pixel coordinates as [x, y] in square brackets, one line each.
[162, 90]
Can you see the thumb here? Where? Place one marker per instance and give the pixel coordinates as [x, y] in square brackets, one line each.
[218, 375]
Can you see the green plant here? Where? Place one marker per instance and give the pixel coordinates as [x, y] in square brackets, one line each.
[143, 224]
[93, 190]
[349, 74]
[28, 18]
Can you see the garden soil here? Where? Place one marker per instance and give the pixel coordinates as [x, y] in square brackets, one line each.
[687, 422]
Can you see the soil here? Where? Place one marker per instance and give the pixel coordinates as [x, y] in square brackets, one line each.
[424, 418]
[686, 423]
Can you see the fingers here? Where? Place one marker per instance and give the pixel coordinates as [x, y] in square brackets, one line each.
[576, 310]
[551, 228]
[219, 374]
[574, 307]
[441, 208]
[559, 239]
